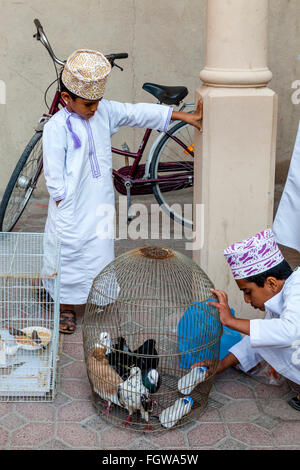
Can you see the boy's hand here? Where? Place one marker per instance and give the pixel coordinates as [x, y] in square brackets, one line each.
[211, 366]
[195, 118]
[226, 317]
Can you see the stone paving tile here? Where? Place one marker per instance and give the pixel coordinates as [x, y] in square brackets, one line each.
[143, 444]
[206, 435]
[12, 421]
[3, 437]
[60, 399]
[266, 422]
[76, 411]
[240, 411]
[54, 444]
[230, 444]
[77, 436]
[168, 439]
[96, 423]
[36, 411]
[234, 389]
[74, 350]
[117, 438]
[32, 435]
[5, 408]
[64, 360]
[271, 391]
[287, 434]
[210, 415]
[76, 389]
[250, 434]
[75, 369]
[280, 409]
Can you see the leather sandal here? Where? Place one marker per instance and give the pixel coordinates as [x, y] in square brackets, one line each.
[295, 402]
[67, 320]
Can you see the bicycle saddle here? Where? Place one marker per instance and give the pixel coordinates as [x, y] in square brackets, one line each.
[166, 94]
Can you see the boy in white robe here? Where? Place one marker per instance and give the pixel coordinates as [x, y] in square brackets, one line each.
[268, 284]
[78, 171]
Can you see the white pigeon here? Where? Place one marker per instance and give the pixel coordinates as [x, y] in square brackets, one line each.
[105, 340]
[134, 396]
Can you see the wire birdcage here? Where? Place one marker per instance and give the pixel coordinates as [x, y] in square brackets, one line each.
[29, 315]
[146, 323]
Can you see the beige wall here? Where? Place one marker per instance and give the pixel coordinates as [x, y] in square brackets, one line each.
[165, 41]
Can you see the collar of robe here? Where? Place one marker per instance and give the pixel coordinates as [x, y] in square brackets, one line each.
[275, 304]
[77, 142]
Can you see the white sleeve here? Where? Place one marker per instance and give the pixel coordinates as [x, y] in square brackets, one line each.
[54, 155]
[280, 332]
[247, 356]
[144, 115]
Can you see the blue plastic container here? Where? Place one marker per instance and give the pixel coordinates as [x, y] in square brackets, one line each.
[198, 325]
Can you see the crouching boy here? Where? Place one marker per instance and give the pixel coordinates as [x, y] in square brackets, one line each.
[268, 284]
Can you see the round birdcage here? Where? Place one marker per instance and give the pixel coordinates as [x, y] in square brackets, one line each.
[146, 323]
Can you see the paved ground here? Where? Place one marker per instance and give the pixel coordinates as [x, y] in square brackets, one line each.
[241, 414]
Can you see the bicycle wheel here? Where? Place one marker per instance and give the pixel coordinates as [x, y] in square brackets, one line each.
[21, 184]
[170, 159]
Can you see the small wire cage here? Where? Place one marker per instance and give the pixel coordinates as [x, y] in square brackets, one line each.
[146, 323]
[29, 315]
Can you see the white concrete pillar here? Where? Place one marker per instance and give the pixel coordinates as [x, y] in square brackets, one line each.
[235, 155]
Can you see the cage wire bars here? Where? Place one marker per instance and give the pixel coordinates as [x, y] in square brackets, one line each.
[147, 310]
[29, 315]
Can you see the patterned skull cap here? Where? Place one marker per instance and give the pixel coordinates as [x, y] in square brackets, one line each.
[254, 255]
[85, 74]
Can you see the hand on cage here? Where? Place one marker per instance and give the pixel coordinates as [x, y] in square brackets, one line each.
[223, 308]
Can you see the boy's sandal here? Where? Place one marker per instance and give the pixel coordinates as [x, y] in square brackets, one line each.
[295, 402]
[67, 322]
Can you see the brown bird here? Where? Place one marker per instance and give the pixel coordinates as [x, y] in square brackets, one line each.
[103, 377]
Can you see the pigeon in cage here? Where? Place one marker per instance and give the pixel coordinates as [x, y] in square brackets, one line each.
[156, 287]
[124, 362]
[104, 378]
[134, 396]
[151, 380]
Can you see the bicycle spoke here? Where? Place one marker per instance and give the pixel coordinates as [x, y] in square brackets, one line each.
[171, 160]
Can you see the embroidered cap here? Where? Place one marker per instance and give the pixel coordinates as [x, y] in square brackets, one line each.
[85, 74]
[254, 255]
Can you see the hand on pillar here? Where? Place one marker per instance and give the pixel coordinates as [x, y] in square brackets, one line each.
[195, 118]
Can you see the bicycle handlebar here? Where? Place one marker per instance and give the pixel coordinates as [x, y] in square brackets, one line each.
[121, 55]
[41, 36]
[38, 25]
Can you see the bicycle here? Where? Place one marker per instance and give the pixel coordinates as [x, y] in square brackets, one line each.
[167, 171]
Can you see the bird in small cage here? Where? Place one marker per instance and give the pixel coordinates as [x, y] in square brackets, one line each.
[134, 396]
[104, 378]
[124, 362]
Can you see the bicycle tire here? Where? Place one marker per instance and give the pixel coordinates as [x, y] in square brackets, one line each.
[164, 192]
[16, 197]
